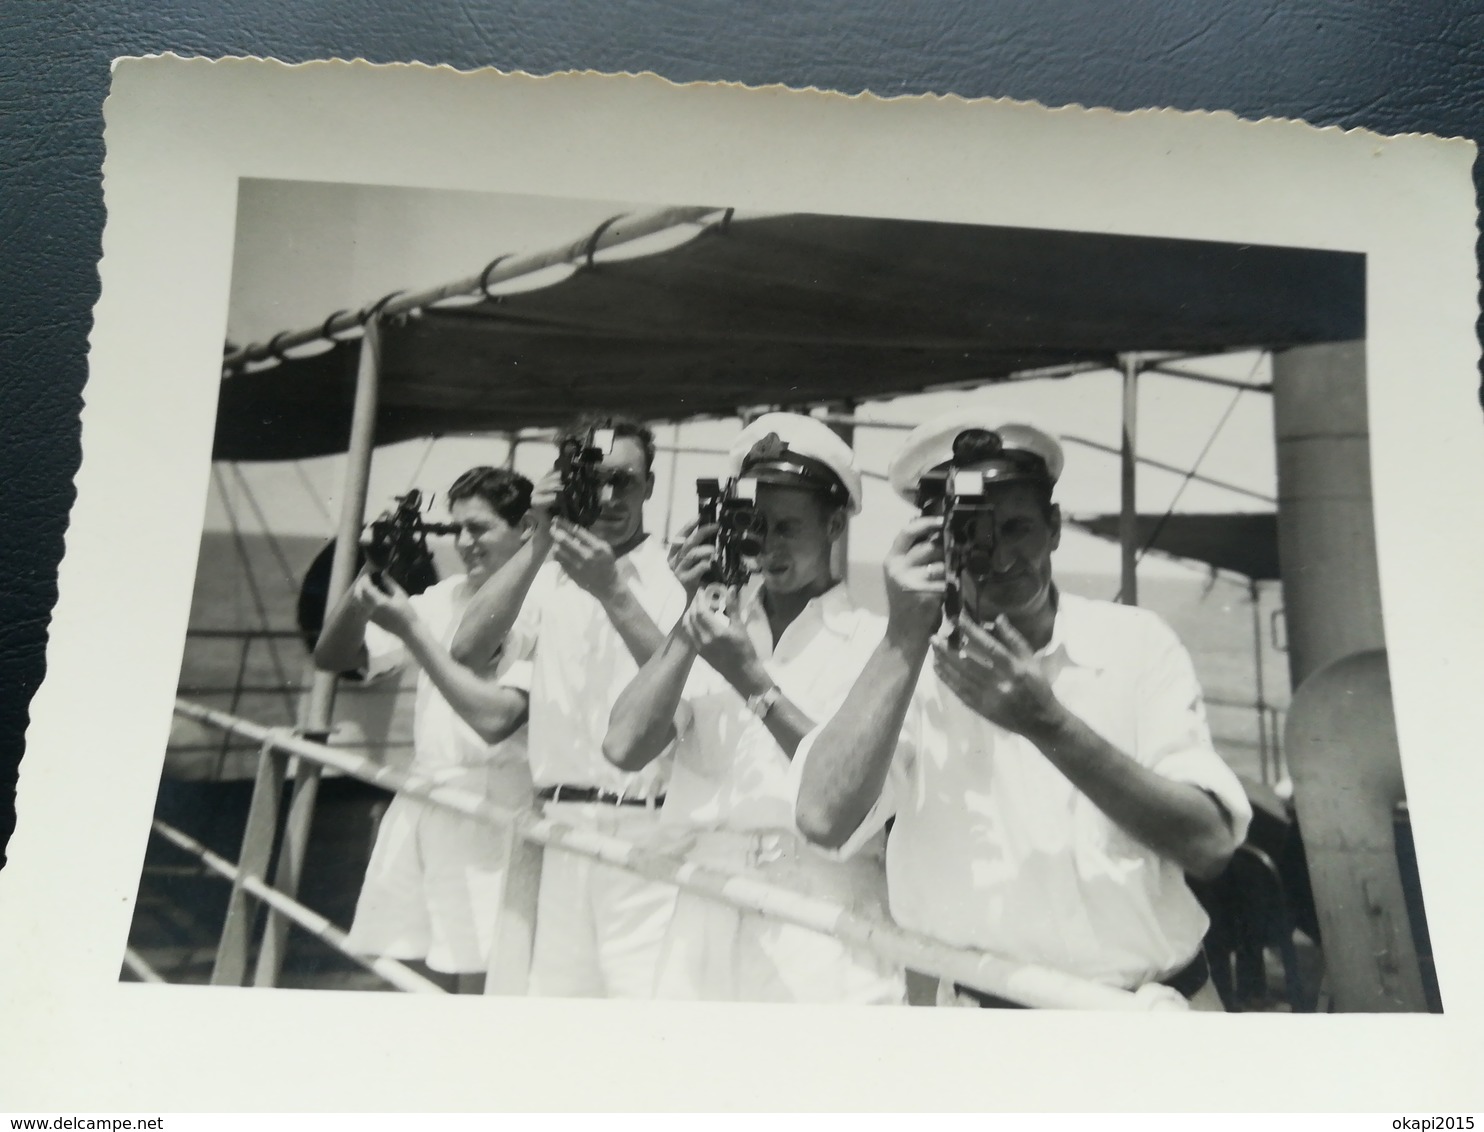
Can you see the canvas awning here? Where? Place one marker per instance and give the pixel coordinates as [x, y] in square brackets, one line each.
[1243, 542]
[790, 310]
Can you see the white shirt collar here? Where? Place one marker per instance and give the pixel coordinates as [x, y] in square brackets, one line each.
[637, 563]
[834, 608]
[1072, 633]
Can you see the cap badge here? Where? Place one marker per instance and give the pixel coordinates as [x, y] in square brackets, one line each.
[769, 448]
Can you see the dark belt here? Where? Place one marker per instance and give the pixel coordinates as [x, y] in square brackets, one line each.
[593, 794]
[1188, 981]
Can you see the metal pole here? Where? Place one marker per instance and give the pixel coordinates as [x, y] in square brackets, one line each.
[841, 418]
[1340, 737]
[253, 858]
[674, 475]
[135, 964]
[1128, 520]
[1262, 702]
[392, 970]
[1208, 379]
[352, 512]
[1326, 527]
[317, 713]
[513, 439]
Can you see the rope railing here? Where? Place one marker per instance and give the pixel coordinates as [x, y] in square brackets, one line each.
[1026, 984]
[609, 236]
[396, 973]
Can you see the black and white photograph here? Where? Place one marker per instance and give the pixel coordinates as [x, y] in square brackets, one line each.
[1156, 398]
[715, 585]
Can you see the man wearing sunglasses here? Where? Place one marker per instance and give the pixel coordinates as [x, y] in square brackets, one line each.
[1046, 756]
[588, 606]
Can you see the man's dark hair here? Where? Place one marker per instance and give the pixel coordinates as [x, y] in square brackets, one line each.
[621, 426]
[507, 492]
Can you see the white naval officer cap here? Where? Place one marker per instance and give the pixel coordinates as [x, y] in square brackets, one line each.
[793, 450]
[1026, 450]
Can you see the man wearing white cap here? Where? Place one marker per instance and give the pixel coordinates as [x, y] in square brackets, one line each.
[1050, 771]
[742, 678]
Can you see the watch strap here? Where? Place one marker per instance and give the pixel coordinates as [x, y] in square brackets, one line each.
[762, 703]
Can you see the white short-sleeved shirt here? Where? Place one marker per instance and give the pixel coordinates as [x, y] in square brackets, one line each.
[579, 665]
[993, 848]
[729, 771]
[442, 741]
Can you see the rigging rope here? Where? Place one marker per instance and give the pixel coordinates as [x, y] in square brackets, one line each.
[273, 543]
[1193, 469]
[314, 495]
[417, 471]
[254, 592]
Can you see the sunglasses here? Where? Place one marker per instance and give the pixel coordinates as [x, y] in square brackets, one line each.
[620, 479]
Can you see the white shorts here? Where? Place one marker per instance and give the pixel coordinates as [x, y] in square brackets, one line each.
[716, 953]
[598, 927]
[435, 879]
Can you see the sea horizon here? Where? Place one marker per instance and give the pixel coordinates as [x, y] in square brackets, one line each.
[248, 581]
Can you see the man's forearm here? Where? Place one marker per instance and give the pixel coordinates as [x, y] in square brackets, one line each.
[788, 724]
[493, 711]
[851, 757]
[1180, 822]
[786, 721]
[496, 604]
[342, 641]
[642, 723]
[640, 635]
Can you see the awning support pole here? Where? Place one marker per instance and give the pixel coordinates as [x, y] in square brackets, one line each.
[352, 512]
[674, 475]
[1128, 520]
[840, 416]
[320, 706]
[1268, 766]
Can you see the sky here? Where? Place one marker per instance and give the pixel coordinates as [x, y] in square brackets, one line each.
[304, 250]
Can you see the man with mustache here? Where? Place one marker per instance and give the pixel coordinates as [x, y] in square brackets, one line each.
[740, 680]
[432, 887]
[586, 607]
[1048, 765]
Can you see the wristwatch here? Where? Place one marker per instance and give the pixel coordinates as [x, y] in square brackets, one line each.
[762, 703]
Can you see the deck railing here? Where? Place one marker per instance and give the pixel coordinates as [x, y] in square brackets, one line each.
[531, 832]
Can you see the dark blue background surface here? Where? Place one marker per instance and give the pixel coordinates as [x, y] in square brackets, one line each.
[1391, 67]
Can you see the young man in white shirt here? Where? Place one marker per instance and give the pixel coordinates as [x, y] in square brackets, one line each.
[585, 607]
[1050, 771]
[432, 887]
[746, 680]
